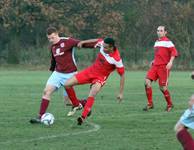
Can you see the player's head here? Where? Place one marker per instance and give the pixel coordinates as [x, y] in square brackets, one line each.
[109, 45]
[52, 35]
[161, 31]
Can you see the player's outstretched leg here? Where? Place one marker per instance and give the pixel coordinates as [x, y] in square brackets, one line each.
[83, 102]
[86, 111]
[75, 102]
[72, 96]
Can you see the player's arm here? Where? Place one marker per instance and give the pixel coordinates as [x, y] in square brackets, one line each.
[53, 63]
[170, 63]
[121, 72]
[151, 63]
[91, 43]
[173, 53]
[122, 82]
[73, 42]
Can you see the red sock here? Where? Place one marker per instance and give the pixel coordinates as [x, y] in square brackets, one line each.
[72, 96]
[43, 106]
[185, 139]
[167, 97]
[149, 95]
[87, 107]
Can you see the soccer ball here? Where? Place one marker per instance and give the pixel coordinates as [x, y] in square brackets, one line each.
[47, 119]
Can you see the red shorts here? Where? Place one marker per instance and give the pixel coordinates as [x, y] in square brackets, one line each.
[160, 73]
[86, 76]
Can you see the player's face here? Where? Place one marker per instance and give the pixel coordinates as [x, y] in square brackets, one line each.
[53, 38]
[161, 31]
[107, 48]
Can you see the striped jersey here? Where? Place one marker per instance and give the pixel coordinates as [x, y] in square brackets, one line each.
[163, 50]
[106, 63]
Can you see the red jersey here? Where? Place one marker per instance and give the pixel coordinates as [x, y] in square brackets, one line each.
[163, 49]
[106, 63]
[63, 55]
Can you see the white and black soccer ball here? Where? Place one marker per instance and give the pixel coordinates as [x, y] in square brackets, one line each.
[47, 119]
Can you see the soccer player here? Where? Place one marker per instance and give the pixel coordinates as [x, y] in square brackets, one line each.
[186, 121]
[108, 59]
[63, 67]
[165, 53]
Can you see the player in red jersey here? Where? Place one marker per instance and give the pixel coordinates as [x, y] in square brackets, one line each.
[165, 53]
[63, 67]
[107, 61]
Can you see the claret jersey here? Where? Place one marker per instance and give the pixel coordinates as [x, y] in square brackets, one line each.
[63, 55]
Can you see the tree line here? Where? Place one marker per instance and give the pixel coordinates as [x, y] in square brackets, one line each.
[132, 23]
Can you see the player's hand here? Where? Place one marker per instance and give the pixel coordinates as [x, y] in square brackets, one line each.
[192, 75]
[169, 65]
[80, 44]
[120, 97]
[151, 63]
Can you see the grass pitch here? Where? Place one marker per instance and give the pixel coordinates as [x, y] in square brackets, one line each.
[112, 126]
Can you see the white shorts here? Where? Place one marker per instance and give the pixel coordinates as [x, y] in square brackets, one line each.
[58, 79]
[187, 119]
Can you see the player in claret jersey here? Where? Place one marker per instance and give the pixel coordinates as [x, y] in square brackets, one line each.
[185, 122]
[63, 67]
[165, 53]
[108, 59]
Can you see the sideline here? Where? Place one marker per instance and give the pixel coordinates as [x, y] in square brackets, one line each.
[95, 128]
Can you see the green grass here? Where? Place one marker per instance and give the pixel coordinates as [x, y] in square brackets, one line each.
[112, 126]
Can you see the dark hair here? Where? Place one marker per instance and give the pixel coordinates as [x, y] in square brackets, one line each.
[165, 28]
[109, 41]
[51, 30]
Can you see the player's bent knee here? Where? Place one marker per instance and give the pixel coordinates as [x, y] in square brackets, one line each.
[95, 89]
[147, 83]
[163, 88]
[178, 127]
[46, 93]
[93, 92]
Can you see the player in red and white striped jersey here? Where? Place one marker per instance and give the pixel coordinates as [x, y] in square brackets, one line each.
[108, 59]
[165, 53]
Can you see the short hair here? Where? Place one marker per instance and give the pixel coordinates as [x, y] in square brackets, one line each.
[109, 41]
[165, 28]
[51, 30]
